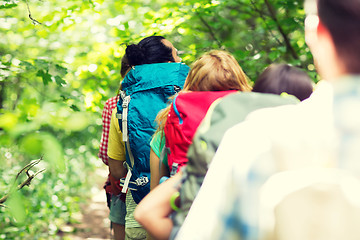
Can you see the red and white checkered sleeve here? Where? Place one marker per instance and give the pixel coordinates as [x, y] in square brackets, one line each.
[110, 104]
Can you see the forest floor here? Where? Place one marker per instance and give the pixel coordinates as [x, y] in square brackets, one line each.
[94, 223]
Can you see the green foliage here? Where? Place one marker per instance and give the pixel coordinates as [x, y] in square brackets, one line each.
[56, 76]
[8, 5]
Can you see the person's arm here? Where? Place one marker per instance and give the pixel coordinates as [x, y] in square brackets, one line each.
[154, 170]
[157, 144]
[154, 210]
[117, 169]
[116, 149]
[106, 118]
[164, 170]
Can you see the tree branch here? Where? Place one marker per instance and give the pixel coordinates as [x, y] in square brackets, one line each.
[281, 30]
[34, 21]
[261, 14]
[18, 90]
[26, 182]
[212, 34]
[2, 93]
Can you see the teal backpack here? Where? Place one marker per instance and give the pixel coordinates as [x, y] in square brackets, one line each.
[222, 115]
[144, 92]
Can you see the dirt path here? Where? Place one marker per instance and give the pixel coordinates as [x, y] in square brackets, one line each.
[94, 222]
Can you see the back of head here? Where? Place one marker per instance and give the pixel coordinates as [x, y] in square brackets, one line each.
[279, 78]
[342, 19]
[216, 71]
[149, 50]
[125, 67]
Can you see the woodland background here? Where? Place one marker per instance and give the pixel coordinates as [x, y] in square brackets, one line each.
[60, 61]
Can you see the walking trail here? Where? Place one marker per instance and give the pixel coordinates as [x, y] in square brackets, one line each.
[94, 223]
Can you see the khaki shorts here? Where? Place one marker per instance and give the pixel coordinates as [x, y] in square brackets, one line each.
[137, 233]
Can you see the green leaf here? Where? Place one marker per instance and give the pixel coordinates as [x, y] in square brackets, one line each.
[46, 77]
[12, 5]
[32, 144]
[148, 15]
[273, 55]
[27, 65]
[62, 71]
[8, 121]
[16, 207]
[75, 108]
[77, 121]
[53, 151]
[64, 98]
[42, 64]
[59, 81]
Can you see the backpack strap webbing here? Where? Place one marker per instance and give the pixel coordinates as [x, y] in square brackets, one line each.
[128, 175]
[129, 167]
[125, 105]
[165, 151]
[124, 119]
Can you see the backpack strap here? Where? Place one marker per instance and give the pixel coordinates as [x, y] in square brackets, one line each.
[129, 167]
[165, 151]
[129, 173]
[125, 106]
[124, 116]
[176, 110]
[124, 119]
[162, 156]
[122, 95]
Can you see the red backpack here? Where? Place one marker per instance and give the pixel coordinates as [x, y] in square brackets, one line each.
[186, 113]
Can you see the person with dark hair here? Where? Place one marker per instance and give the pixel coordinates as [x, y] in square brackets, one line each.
[156, 74]
[154, 49]
[115, 199]
[335, 23]
[283, 78]
[125, 66]
[320, 134]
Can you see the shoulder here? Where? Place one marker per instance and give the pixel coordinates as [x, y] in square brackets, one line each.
[111, 102]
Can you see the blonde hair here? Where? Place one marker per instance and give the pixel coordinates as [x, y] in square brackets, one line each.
[214, 71]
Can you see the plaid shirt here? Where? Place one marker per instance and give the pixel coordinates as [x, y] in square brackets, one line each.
[110, 104]
[111, 185]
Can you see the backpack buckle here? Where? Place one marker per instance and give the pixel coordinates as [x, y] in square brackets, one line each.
[126, 102]
[122, 94]
[174, 169]
[142, 181]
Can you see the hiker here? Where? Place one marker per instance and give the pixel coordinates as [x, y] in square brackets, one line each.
[115, 199]
[283, 78]
[178, 122]
[292, 84]
[213, 76]
[322, 132]
[156, 74]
